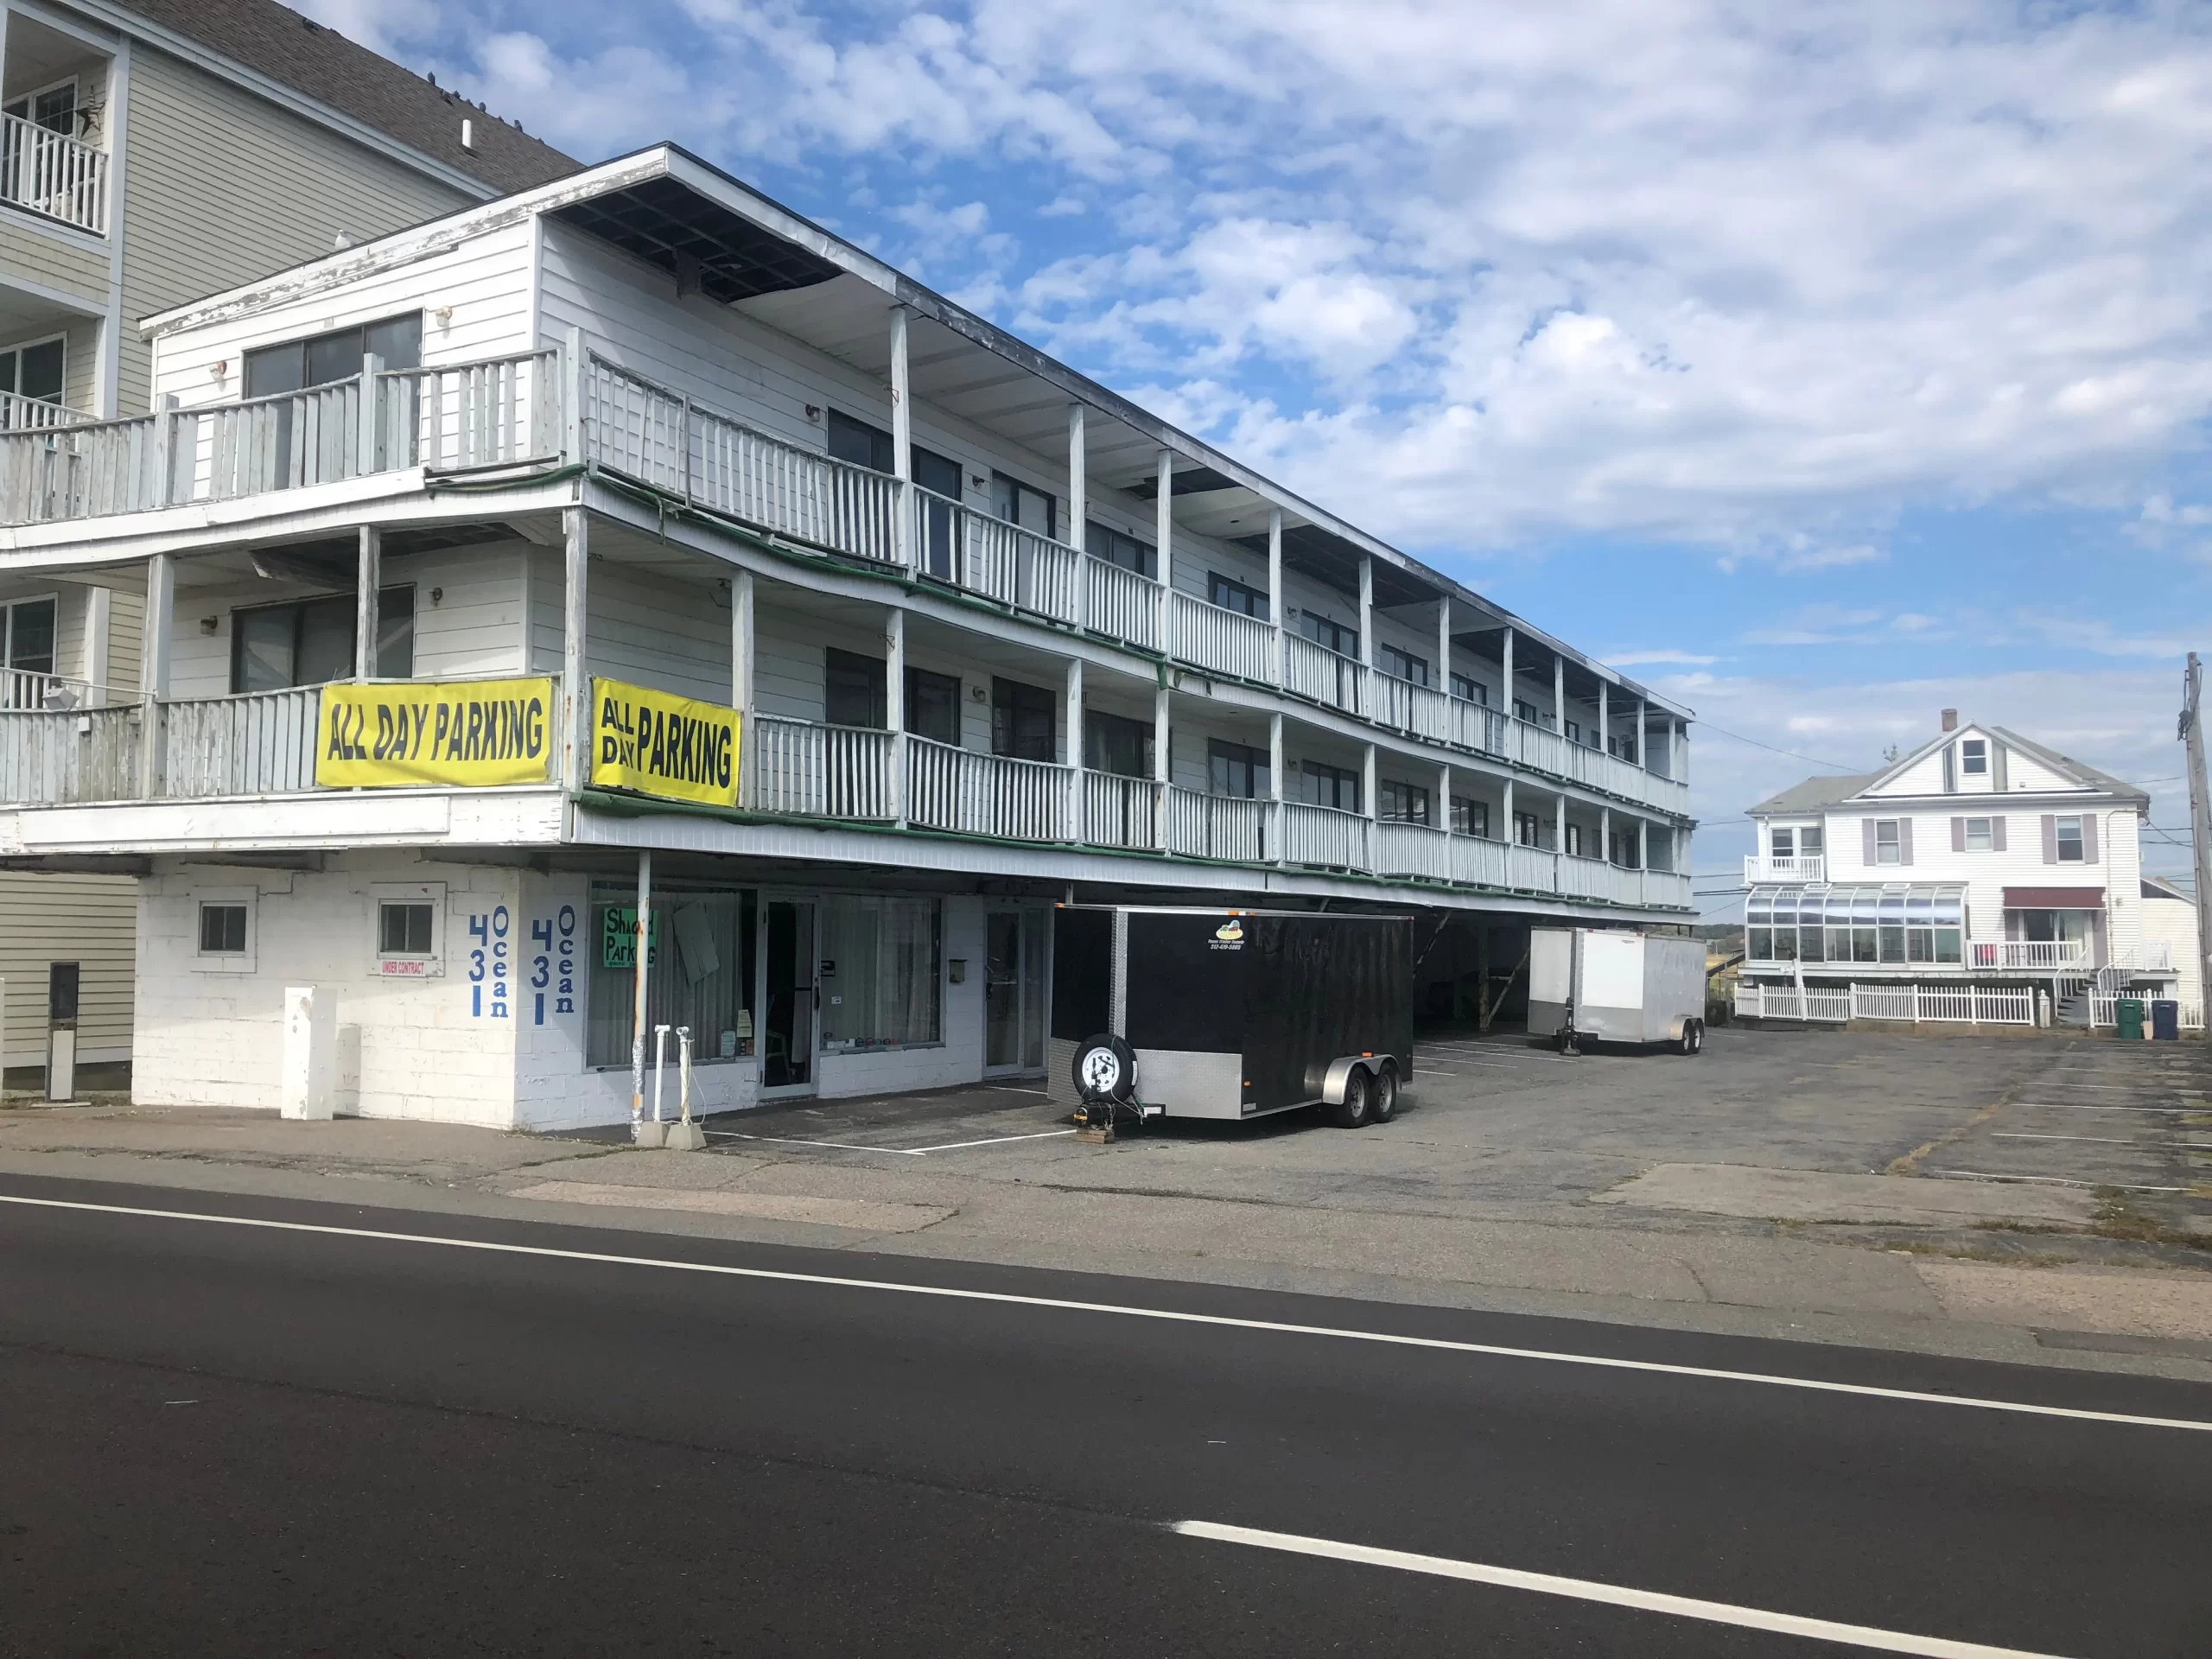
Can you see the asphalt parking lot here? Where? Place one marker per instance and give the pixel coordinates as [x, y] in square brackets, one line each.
[1493, 1126]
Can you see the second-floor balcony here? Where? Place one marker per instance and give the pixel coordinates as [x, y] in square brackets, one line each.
[545, 408]
[1809, 868]
[53, 175]
[260, 745]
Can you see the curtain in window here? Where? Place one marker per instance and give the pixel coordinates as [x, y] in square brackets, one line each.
[880, 978]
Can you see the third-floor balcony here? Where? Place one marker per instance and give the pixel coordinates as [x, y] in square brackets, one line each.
[53, 175]
[543, 410]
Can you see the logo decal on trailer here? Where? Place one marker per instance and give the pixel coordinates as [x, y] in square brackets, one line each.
[1229, 936]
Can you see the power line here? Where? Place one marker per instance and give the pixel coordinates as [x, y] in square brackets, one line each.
[1812, 760]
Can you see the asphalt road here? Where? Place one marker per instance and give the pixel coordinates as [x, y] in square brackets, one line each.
[233, 1439]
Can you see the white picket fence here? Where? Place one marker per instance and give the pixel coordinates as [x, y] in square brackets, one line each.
[1962, 1004]
[2104, 1011]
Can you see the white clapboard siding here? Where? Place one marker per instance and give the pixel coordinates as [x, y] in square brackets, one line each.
[225, 188]
[485, 283]
[88, 919]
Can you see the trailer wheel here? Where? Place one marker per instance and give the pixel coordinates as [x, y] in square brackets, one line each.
[1357, 1109]
[1382, 1104]
[1105, 1069]
[1693, 1038]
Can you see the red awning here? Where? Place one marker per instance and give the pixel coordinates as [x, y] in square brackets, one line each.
[2054, 898]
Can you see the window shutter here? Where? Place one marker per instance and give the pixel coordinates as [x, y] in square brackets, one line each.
[1950, 770]
[1958, 835]
[2088, 837]
[1867, 833]
[2050, 838]
[1997, 834]
[1905, 840]
[1997, 766]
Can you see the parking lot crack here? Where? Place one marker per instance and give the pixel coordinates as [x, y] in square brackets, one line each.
[1908, 1165]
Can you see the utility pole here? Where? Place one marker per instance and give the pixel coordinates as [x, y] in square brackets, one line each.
[2200, 819]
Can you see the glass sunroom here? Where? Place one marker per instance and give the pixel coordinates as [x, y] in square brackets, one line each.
[1892, 925]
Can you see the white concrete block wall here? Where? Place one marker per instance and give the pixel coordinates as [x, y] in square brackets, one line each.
[432, 1048]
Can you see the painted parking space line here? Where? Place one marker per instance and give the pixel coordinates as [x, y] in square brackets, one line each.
[787, 1140]
[2096, 1106]
[993, 1141]
[1131, 1310]
[1612, 1595]
[2046, 1180]
[2101, 1140]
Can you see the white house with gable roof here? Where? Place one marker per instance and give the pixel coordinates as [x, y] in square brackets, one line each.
[1983, 859]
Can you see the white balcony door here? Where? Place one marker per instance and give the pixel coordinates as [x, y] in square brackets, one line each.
[1014, 991]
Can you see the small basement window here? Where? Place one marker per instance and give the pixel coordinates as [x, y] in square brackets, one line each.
[222, 930]
[403, 928]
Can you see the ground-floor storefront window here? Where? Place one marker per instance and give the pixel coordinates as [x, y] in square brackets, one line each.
[699, 972]
[880, 972]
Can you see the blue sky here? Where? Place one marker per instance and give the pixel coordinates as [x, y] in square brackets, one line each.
[1826, 365]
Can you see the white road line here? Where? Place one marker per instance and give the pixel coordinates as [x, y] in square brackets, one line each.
[2095, 1106]
[1168, 1316]
[995, 1141]
[2046, 1180]
[784, 1141]
[1612, 1595]
[2101, 1140]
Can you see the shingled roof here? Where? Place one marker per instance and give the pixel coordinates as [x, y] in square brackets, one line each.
[276, 41]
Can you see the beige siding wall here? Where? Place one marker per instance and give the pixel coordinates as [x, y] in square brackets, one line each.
[125, 628]
[54, 261]
[224, 188]
[88, 919]
[80, 355]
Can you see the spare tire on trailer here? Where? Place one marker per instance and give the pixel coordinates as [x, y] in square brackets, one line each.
[1105, 1070]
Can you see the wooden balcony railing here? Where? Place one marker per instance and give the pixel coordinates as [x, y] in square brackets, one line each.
[54, 174]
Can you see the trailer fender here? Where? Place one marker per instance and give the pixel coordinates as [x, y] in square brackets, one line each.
[1339, 1073]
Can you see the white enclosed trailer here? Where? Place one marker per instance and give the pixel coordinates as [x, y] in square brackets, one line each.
[1600, 985]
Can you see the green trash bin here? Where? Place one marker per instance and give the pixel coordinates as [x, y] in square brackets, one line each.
[2127, 1013]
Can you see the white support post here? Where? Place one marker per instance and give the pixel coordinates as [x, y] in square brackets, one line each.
[575, 681]
[1605, 834]
[1507, 832]
[93, 657]
[1161, 739]
[1505, 666]
[1074, 719]
[1559, 694]
[1559, 824]
[1678, 757]
[365, 457]
[1163, 532]
[574, 378]
[894, 707]
[1078, 478]
[1443, 681]
[902, 441]
[1275, 784]
[1440, 817]
[367, 578]
[1643, 843]
[160, 626]
[1368, 778]
[740, 674]
[1278, 610]
[1604, 727]
[1643, 711]
[1366, 610]
[165, 452]
[644, 949]
[310, 1081]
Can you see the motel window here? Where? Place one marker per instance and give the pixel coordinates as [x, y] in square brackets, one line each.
[1104, 542]
[318, 359]
[1528, 829]
[1470, 817]
[36, 371]
[1887, 849]
[1574, 731]
[27, 638]
[1234, 595]
[852, 689]
[2070, 850]
[1116, 744]
[1809, 840]
[1032, 509]
[1524, 710]
[1330, 636]
[1784, 841]
[699, 967]
[310, 641]
[1021, 720]
[1973, 757]
[1401, 803]
[1574, 841]
[1328, 786]
[1402, 664]
[1470, 689]
[933, 705]
[880, 973]
[1236, 769]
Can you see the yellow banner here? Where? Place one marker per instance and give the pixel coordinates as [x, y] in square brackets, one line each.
[472, 733]
[658, 744]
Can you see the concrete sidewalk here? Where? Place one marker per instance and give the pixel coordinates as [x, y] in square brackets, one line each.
[1713, 1248]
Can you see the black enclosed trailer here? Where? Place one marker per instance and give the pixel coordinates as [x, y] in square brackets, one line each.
[1232, 1014]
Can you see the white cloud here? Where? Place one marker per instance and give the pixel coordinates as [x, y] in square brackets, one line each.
[1631, 658]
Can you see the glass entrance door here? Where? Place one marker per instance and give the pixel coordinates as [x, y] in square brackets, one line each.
[790, 996]
[1014, 990]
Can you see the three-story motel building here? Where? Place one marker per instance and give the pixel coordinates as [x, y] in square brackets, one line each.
[632, 533]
